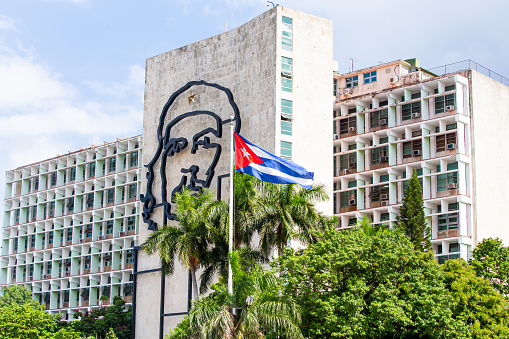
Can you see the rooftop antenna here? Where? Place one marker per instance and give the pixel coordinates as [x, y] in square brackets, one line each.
[351, 64]
[271, 3]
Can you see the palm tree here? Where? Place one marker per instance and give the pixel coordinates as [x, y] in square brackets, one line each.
[216, 260]
[255, 309]
[288, 211]
[190, 239]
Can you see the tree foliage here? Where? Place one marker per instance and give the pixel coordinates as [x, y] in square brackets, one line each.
[15, 294]
[261, 312]
[490, 259]
[411, 219]
[99, 321]
[477, 303]
[355, 285]
[27, 320]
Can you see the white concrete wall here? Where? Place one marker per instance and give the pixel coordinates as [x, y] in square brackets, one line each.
[490, 125]
[312, 97]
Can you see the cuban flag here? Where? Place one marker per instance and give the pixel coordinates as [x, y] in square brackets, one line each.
[253, 160]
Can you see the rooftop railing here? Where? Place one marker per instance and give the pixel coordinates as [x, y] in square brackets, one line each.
[468, 64]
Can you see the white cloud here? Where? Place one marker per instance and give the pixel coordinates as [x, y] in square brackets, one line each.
[42, 116]
[7, 23]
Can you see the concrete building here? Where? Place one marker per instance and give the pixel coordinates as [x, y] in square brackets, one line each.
[258, 73]
[70, 225]
[395, 117]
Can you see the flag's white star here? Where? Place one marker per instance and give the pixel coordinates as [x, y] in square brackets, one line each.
[244, 152]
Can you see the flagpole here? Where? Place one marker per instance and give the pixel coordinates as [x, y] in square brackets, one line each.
[230, 226]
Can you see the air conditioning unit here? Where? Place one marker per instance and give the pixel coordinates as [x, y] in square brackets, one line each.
[384, 203]
[347, 91]
[351, 129]
[82, 241]
[450, 108]
[336, 136]
[416, 153]
[384, 159]
[452, 185]
[384, 196]
[416, 115]
[352, 165]
[352, 202]
[121, 234]
[101, 237]
[451, 146]
[345, 171]
[383, 122]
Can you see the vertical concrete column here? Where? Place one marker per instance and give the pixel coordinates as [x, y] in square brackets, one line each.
[463, 218]
[424, 105]
[55, 265]
[462, 178]
[393, 154]
[460, 137]
[361, 161]
[459, 102]
[426, 143]
[392, 111]
[37, 268]
[3, 273]
[38, 238]
[115, 258]
[360, 123]
[94, 261]
[75, 263]
[93, 292]
[73, 295]
[98, 196]
[54, 297]
[393, 188]
[426, 182]
[361, 200]
[20, 270]
[115, 288]
[76, 231]
[427, 212]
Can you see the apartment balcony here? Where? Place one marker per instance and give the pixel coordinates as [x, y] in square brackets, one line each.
[448, 192]
[66, 305]
[348, 209]
[107, 269]
[84, 303]
[379, 165]
[133, 232]
[129, 265]
[128, 299]
[448, 234]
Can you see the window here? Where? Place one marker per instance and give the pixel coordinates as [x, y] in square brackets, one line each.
[412, 148]
[444, 141]
[286, 84]
[109, 227]
[286, 107]
[286, 40]
[379, 193]
[448, 221]
[132, 191]
[379, 118]
[129, 256]
[91, 169]
[379, 155]
[449, 178]
[90, 200]
[111, 195]
[352, 82]
[69, 234]
[113, 163]
[72, 175]
[454, 247]
[449, 127]
[345, 198]
[287, 22]
[286, 150]
[52, 208]
[335, 90]
[411, 111]
[369, 77]
[348, 161]
[415, 95]
[130, 223]
[286, 126]
[442, 102]
[36, 184]
[352, 147]
[133, 159]
[348, 125]
[384, 217]
[286, 65]
[53, 179]
[383, 103]
[34, 212]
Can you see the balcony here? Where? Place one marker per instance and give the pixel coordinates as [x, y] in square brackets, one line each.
[448, 233]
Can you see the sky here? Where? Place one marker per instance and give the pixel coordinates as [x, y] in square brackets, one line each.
[72, 71]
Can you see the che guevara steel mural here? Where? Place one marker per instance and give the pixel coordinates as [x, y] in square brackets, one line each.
[171, 143]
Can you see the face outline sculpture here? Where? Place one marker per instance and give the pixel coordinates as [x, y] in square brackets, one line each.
[170, 144]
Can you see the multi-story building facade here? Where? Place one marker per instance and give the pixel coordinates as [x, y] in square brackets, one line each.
[70, 225]
[394, 118]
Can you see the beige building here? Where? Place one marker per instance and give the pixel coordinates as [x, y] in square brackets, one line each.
[397, 117]
[70, 226]
[259, 75]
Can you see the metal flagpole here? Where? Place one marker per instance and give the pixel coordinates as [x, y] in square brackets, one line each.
[230, 226]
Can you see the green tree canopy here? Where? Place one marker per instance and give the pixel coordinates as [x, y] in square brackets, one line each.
[490, 259]
[26, 321]
[477, 303]
[411, 220]
[15, 294]
[357, 285]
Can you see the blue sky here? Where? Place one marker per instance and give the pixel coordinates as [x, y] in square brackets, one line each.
[72, 71]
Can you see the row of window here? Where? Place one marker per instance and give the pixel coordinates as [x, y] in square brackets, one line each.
[368, 77]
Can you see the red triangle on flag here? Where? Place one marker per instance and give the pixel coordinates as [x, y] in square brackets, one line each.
[243, 154]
